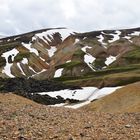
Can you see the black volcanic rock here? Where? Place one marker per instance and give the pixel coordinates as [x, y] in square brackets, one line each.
[29, 88]
[31, 85]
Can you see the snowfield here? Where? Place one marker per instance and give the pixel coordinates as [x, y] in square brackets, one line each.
[6, 55]
[85, 95]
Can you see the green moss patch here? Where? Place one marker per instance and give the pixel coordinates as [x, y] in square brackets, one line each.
[99, 63]
[2, 61]
[8, 46]
[134, 54]
[69, 65]
[20, 56]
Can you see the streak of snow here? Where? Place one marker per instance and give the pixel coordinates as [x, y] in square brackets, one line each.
[58, 105]
[42, 59]
[25, 61]
[68, 61]
[32, 69]
[116, 36]
[136, 33]
[30, 48]
[88, 58]
[127, 37]
[101, 38]
[16, 38]
[18, 64]
[43, 70]
[7, 68]
[51, 51]
[76, 41]
[84, 48]
[78, 105]
[58, 73]
[110, 60]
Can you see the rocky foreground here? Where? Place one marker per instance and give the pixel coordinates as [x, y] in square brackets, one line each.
[23, 119]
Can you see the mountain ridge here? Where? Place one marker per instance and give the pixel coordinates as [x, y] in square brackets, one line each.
[63, 55]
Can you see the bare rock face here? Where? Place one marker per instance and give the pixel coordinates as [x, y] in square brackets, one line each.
[59, 53]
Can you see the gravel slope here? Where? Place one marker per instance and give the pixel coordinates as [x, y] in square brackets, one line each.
[22, 119]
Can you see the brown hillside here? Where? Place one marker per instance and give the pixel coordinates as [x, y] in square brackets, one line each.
[126, 99]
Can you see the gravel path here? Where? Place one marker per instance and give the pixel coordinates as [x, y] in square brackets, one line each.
[30, 121]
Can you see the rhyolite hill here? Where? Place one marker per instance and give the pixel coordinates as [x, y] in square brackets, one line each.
[98, 58]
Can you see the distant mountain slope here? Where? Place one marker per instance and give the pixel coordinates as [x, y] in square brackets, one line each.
[126, 99]
[98, 58]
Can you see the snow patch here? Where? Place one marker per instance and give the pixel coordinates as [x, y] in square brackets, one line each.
[85, 95]
[30, 48]
[76, 41]
[58, 105]
[18, 64]
[110, 60]
[84, 48]
[51, 51]
[25, 61]
[32, 69]
[79, 94]
[16, 38]
[128, 38]
[42, 59]
[88, 58]
[7, 68]
[116, 36]
[49, 34]
[99, 93]
[58, 73]
[136, 33]
[101, 38]
[68, 61]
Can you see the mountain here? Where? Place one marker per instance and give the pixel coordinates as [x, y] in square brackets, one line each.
[98, 58]
[60, 59]
[97, 72]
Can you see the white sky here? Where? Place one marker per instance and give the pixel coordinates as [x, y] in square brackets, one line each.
[18, 16]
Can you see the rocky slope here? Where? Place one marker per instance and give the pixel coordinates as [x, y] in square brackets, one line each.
[98, 58]
[22, 119]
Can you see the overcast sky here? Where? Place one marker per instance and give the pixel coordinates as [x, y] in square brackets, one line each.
[19, 16]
